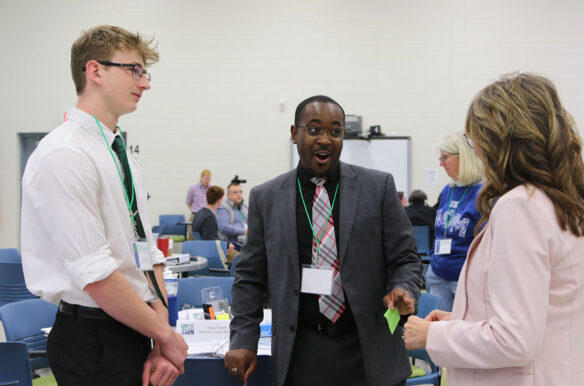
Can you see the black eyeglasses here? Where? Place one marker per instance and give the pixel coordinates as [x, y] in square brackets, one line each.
[315, 131]
[469, 141]
[137, 70]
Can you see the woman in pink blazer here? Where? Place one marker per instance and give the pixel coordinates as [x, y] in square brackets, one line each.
[518, 316]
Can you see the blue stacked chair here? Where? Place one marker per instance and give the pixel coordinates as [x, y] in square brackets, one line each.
[12, 284]
[22, 322]
[170, 224]
[207, 249]
[10, 255]
[15, 365]
[427, 303]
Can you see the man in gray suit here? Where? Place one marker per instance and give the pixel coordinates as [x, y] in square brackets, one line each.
[328, 299]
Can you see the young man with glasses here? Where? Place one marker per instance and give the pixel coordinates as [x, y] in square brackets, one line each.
[86, 239]
[330, 244]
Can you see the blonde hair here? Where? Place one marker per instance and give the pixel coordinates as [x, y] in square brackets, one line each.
[100, 43]
[206, 173]
[528, 138]
[470, 168]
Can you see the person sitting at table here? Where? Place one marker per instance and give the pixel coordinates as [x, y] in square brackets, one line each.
[420, 213]
[205, 221]
[232, 215]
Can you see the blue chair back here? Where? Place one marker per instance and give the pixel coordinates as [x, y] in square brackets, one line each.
[426, 304]
[189, 289]
[422, 233]
[10, 255]
[170, 224]
[12, 284]
[207, 249]
[15, 365]
[212, 372]
[23, 321]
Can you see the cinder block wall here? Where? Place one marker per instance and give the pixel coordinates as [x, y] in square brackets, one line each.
[410, 66]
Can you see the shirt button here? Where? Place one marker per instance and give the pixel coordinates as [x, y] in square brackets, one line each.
[295, 292]
[292, 328]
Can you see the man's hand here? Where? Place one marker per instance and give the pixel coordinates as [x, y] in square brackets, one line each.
[231, 247]
[416, 332]
[158, 370]
[438, 315]
[401, 299]
[241, 363]
[174, 348]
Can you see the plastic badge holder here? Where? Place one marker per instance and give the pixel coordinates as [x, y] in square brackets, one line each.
[211, 294]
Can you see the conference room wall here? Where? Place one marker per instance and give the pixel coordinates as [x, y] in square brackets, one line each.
[227, 66]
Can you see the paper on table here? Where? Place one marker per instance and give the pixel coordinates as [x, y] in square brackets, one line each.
[392, 317]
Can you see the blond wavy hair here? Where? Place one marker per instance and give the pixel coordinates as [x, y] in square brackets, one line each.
[527, 138]
[470, 168]
[100, 43]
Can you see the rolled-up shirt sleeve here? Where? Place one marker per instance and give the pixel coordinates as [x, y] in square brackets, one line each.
[64, 191]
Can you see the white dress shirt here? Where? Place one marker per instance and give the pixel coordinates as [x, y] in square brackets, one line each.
[75, 226]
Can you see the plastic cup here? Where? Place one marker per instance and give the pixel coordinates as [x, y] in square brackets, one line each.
[162, 244]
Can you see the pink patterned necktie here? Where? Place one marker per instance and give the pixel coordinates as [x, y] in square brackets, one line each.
[331, 306]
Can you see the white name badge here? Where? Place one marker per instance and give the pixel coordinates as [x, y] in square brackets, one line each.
[317, 281]
[141, 252]
[443, 247]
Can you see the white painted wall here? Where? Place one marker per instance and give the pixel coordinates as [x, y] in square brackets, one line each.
[410, 66]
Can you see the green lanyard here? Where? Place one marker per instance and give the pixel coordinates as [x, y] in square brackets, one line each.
[129, 202]
[308, 216]
[449, 216]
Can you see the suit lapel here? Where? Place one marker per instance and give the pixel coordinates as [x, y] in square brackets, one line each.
[287, 198]
[349, 196]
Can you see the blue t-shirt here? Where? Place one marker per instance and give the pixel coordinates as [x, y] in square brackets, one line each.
[462, 217]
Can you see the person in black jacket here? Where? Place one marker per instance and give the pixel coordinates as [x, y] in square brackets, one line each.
[205, 222]
[420, 213]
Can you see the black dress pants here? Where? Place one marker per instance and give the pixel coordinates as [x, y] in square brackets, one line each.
[321, 360]
[90, 351]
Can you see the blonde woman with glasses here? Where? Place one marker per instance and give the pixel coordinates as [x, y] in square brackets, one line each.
[456, 217]
[519, 314]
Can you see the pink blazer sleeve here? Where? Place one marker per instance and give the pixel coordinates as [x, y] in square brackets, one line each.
[506, 324]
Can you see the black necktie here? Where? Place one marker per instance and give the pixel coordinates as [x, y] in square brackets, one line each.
[120, 149]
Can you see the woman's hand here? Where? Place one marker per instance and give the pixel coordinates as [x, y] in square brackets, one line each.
[438, 315]
[416, 332]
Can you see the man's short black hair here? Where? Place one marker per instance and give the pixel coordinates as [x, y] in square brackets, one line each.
[316, 98]
[232, 184]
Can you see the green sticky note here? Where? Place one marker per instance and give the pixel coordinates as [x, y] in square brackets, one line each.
[392, 317]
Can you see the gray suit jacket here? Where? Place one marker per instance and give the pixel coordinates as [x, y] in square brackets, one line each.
[376, 249]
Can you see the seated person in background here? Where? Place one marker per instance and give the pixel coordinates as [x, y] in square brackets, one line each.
[232, 215]
[420, 213]
[205, 222]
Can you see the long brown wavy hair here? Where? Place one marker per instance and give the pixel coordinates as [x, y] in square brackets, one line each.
[527, 137]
